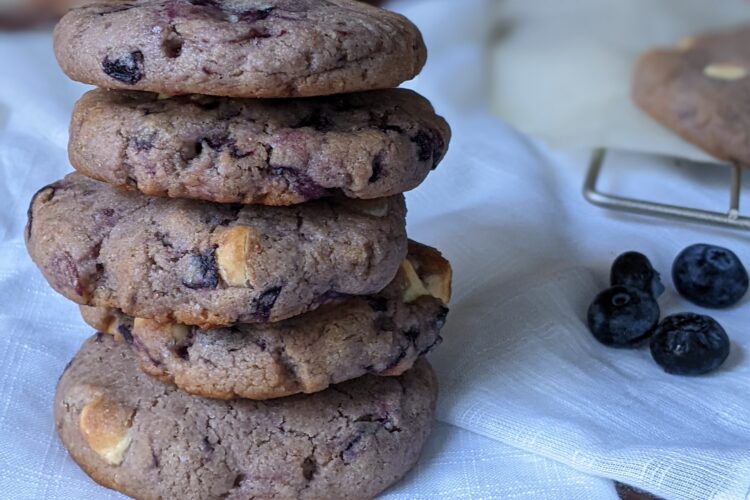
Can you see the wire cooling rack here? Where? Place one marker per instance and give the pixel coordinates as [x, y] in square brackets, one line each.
[731, 218]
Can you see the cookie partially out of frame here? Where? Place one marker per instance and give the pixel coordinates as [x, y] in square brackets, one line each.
[239, 48]
[150, 440]
[271, 152]
[208, 264]
[701, 90]
[381, 334]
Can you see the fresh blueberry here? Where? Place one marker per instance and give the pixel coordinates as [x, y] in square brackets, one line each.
[689, 344]
[634, 269]
[622, 316]
[710, 276]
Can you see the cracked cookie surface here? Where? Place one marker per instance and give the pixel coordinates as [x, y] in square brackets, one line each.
[150, 440]
[208, 264]
[701, 90]
[239, 48]
[381, 334]
[366, 145]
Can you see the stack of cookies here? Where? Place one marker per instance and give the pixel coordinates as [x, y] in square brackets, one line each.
[236, 233]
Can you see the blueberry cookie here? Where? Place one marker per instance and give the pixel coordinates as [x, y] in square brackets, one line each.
[382, 334]
[366, 145]
[700, 90]
[208, 264]
[150, 440]
[239, 48]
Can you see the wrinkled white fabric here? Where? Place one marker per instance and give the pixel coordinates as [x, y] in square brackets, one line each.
[531, 406]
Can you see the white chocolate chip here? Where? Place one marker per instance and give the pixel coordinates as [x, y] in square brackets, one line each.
[112, 327]
[726, 72]
[140, 323]
[377, 207]
[178, 332]
[105, 426]
[439, 286]
[415, 287]
[426, 272]
[685, 44]
[232, 252]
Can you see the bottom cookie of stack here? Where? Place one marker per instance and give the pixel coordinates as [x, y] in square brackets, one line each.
[148, 440]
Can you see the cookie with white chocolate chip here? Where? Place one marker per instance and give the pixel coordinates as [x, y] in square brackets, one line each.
[206, 264]
[365, 145]
[151, 440]
[700, 90]
[381, 334]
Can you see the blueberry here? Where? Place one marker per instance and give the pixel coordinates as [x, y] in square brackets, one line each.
[634, 269]
[127, 69]
[377, 168]
[264, 304]
[441, 317]
[689, 344]
[317, 120]
[377, 303]
[710, 276]
[144, 141]
[430, 146]
[253, 15]
[126, 333]
[201, 271]
[412, 334]
[300, 182]
[309, 468]
[622, 316]
[424, 142]
[352, 450]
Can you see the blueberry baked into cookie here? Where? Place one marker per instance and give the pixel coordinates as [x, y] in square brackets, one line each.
[236, 234]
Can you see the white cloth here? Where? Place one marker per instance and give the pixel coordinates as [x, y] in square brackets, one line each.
[531, 406]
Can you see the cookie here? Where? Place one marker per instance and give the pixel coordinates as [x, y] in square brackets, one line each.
[699, 90]
[208, 264]
[150, 440]
[239, 48]
[366, 145]
[382, 334]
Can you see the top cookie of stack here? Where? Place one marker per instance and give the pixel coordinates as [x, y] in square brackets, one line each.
[239, 48]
